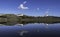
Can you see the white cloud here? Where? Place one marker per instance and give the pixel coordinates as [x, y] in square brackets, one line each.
[24, 2]
[21, 6]
[37, 8]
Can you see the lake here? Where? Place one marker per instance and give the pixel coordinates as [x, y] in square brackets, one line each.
[30, 30]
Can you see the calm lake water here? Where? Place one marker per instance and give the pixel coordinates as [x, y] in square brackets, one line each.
[31, 30]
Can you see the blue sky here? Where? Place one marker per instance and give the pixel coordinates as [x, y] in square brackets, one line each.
[30, 7]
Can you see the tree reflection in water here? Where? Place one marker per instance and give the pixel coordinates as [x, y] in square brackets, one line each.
[21, 24]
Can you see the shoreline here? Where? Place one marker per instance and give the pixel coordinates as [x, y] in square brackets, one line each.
[11, 18]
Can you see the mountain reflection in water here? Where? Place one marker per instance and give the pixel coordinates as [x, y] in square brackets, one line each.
[30, 30]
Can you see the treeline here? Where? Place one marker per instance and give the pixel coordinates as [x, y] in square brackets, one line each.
[45, 19]
[9, 18]
[12, 18]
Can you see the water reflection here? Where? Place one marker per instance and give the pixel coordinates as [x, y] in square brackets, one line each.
[46, 25]
[22, 24]
[30, 30]
[23, 32]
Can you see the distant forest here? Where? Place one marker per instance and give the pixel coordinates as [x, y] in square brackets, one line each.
[12, 18]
